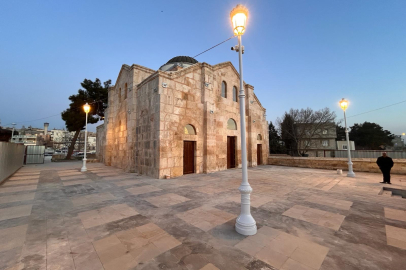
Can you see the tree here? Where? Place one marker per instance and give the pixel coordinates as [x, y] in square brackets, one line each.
[96, 95]
[298, 127]
[340, 133]
[275, 146]
[370, 136]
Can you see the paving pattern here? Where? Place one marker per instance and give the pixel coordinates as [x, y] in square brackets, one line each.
[52, 216]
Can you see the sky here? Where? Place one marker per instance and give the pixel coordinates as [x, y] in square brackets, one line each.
[298, 53]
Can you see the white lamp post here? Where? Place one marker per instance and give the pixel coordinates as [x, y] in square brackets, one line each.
[12, 133]
[245, 223]
[344, 105]
[86, 107]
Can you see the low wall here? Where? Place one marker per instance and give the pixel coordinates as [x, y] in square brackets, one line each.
[359, 164]
[11, 159]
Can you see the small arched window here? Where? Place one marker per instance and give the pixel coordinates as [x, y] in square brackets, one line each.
[190, 130]
[259, 137]
[235, 94]
[125, 91]
[231, 124]
[224, 89]
[119, 95]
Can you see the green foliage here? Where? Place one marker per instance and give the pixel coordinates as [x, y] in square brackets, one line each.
[96, 95]
[370, 136]
[275, 144]
[340, 133]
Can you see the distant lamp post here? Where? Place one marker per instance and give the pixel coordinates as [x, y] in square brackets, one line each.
[12, 133]
[245, 223]
[86, 108]
[344, 106]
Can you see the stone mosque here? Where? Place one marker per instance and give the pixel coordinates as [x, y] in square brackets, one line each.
[182, 118]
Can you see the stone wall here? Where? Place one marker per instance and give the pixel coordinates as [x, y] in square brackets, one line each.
[359, 164]
[11, 159]
[100, 142]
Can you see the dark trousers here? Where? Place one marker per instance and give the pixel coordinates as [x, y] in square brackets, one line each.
[386, 175]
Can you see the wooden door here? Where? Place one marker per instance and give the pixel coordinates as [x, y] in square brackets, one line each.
[188, 157]
[231, 152]
[259, 154]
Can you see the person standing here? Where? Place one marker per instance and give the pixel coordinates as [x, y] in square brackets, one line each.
[385, 164]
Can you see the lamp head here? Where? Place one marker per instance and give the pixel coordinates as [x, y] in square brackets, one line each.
[403, 134]
[86, 107]
[239, 17]
[344, 104]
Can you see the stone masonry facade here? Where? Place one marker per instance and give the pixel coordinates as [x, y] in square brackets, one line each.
[148, 110]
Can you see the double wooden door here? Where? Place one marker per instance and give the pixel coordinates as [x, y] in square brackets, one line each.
[189, 157]
[231, 141]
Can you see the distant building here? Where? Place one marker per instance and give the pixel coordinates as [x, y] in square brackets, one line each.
[342, 145]
[319, 143]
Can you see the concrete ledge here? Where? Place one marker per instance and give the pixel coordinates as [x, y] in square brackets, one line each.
[359, 164]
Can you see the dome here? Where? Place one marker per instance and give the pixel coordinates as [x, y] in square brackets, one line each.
[178, 62]
[182, 59]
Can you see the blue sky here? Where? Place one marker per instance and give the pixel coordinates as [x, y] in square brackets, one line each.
[298, 53]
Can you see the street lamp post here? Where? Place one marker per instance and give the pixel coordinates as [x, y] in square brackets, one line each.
[12, 133]
[344, 105]
[245, 223]
[86, 107]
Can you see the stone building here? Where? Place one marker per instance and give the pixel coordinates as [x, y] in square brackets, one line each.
[183, 118]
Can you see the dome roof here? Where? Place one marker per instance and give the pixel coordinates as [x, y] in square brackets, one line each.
[178, 62]
[182, 59]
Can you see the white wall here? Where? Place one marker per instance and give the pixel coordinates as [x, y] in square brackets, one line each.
[11, 159]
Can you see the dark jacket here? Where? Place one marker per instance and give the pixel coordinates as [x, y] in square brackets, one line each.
[384, 162]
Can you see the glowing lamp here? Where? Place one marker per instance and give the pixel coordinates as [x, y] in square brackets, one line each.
[86, 107]
[239, 16]
[343, 104]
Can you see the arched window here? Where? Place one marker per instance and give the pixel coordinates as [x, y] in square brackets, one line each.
[259, 137]
[190, 130]
[235, 94]
[224, 89]
[231, 124]
[119, 95]
[125, 91]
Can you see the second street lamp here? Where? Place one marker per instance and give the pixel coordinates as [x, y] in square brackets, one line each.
[245, 223]
[86, 108]
[344, 106]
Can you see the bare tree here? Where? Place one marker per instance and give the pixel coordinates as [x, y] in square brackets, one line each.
[298, 127]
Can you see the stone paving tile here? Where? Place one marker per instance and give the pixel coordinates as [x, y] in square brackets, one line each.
[17, 189]
[395, 214]
[73, 177]
[206, 218]
[143, 189]
[17, 198]
[209, 266]
[15, 212]
[396, 236]
[93, 198]
[78, 182]
[23, 177]
[106, 214]
[20, 182]
[126, 249]
[211, 189]
[315, 216]
[340, 204]
[115, 178]
[166, 200]
[282, 250]
[127, 182]
[12, 237]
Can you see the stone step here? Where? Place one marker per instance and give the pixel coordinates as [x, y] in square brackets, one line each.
[397, 196]
[387, 193]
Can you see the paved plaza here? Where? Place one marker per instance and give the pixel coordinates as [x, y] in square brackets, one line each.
[52, 216]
